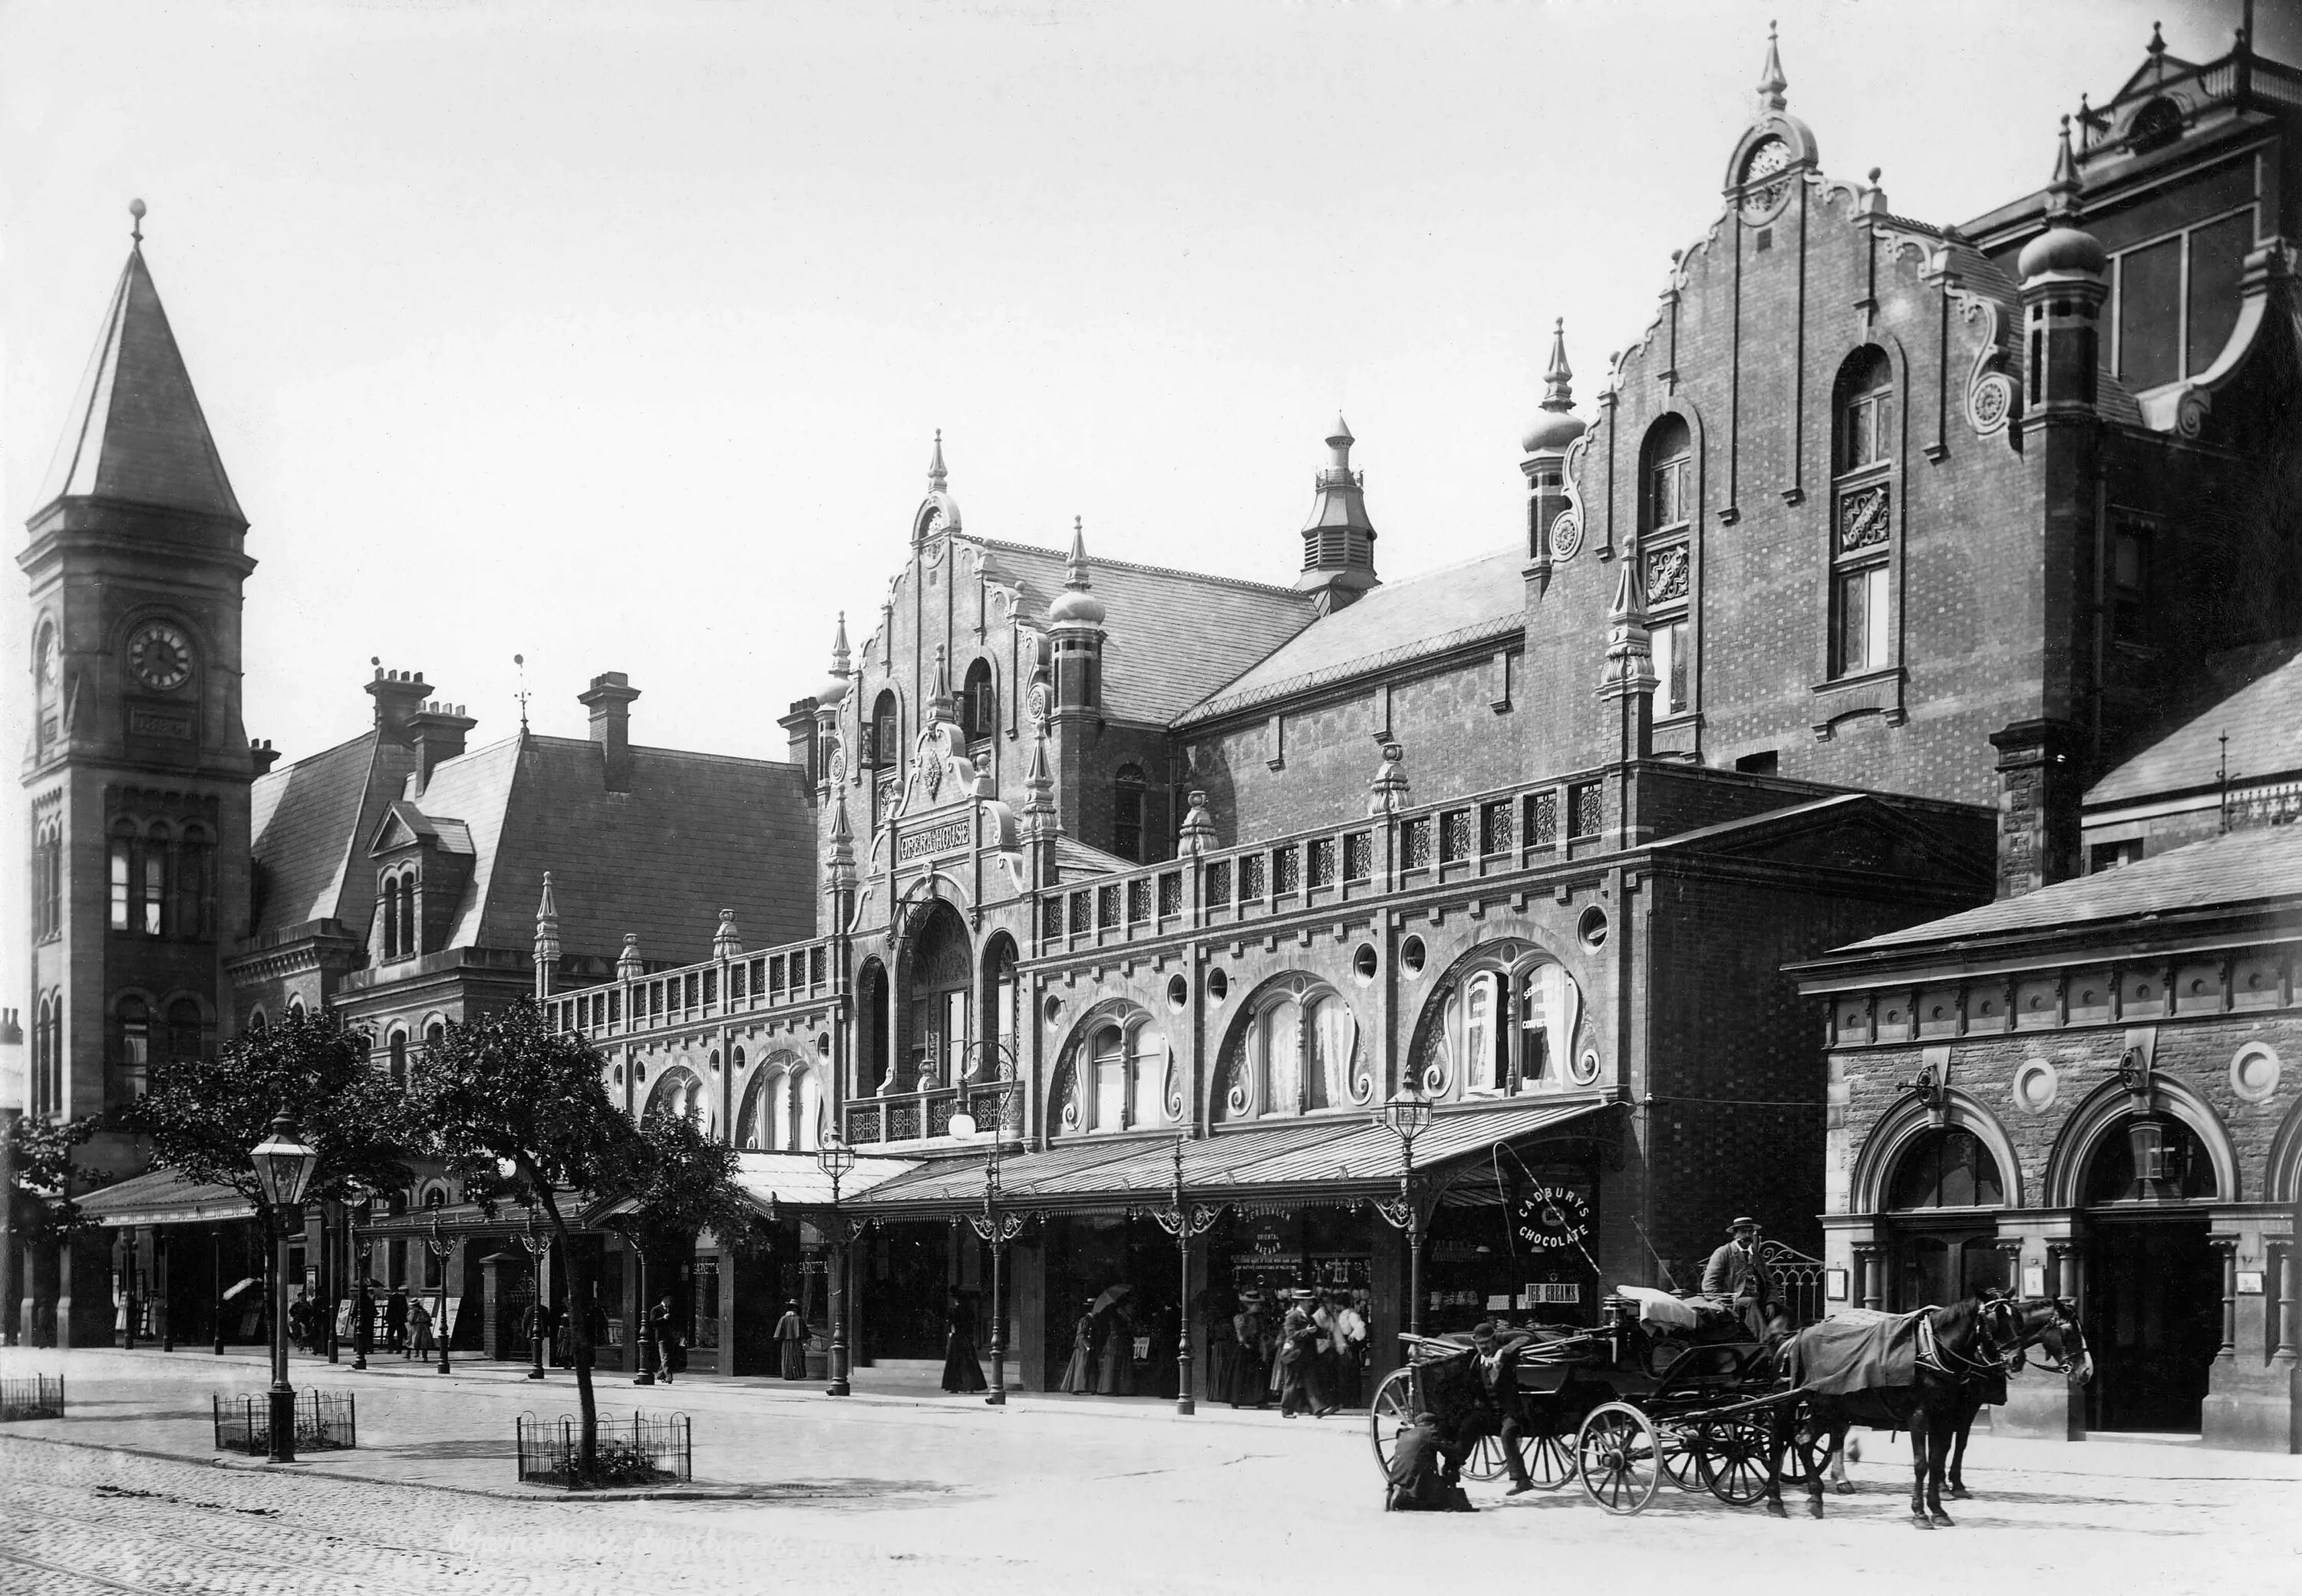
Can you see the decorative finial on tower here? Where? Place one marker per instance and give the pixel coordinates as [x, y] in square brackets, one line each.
[1076, 604]
[936, 474]
[547, 939]
[1040, 784]
[726, 943]
[1075, 566]
[1387, 793]
[547, 909]
[136, 223]
[2062, 189]
[629, 965]
[1630, 647]
[1558, 377]
[841, 659]
[2157, 47]
[839, 863]
[1197, 832]
[940, 705]
[1771, 81]
[520, 661]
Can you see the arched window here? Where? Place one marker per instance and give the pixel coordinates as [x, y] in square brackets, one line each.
[295, 1008]
[1331, 1036]
[943, 976]
[135, 1017]
[1129, 795]
[874, 1065]
[679, 1092]
[979, 702]
[1665, 477]
[152, 900]
[2149, 1158]
[1146, 1070]
[1506, 1027]
[1862, 411]
[195, 887]
[881, 751]
[47, 1072]
[121, 874]
[256, 1022]
[411, 941]
[434, 1034]
[390, 917]
[1947, 1169]
[771, 1129]
[1000, 1029]
[398, 1050]
[48, 880]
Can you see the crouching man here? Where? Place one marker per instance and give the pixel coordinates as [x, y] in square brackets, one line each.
[1419, 1483]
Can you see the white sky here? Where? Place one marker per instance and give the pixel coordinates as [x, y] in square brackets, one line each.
[616, 335]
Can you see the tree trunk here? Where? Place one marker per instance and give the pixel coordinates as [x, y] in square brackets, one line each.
[579, 1330]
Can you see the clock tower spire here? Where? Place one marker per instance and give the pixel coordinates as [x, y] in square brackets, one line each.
[137, 772]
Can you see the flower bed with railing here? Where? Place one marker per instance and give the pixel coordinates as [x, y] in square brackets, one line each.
[38, 1397]
[325, 1422]
[643, 1450]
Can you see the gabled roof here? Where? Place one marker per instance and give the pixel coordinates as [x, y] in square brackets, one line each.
[1387, 627]
[2233, 872]
[312, 820]
[136, 432]
[2263, 721]
[163, 1196]
[403, 823]
[1171, 637]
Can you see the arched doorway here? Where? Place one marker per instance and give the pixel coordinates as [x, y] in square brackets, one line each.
[2153, 1287]
[1944, 1200]
[942, 971]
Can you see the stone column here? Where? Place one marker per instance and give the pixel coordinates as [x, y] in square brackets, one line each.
[2282, 1254]
[1867, 1272]
[2041, 1405]
[2227, 1247]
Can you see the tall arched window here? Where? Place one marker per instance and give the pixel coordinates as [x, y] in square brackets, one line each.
[152, 902]
[1862, 413]
[295, 1008]
[943, 976]
[434, 1034]
[2149, 1158]
[1130, 796]
[1506, 1027]
[1665, 477]
[195, 885]
[979, 702]
[1108, 1069]
[880, 749]
[120, 860]
[397, 1049]
[874, 1065]
[679, 1092]
[1000, 1029]
[48, 879]
[390, 917]
[1948, 1168]
[411, 940]
[47, 1072]
[1146, 1070]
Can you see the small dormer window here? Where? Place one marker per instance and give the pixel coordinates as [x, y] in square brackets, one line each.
[2155, 126]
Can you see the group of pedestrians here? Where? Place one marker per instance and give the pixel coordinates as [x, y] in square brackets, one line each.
[1306, 1351]
[403, 1320]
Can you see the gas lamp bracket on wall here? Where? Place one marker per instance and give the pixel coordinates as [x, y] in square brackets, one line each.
[1931, 1086]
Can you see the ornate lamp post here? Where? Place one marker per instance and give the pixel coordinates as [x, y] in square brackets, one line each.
[835, 1158]
[536, 1244]
[1183, 1224]
[363, 1305]
[283, 1168]
[1406, 1115]
[438, 1245]
[998, 1228]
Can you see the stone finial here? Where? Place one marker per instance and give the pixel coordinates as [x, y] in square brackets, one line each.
[629, 965]
[725, 943]
[1387, 794]
[1077, 605]
[1630, 653]
[1558, 377]
[547, 923]
[941, 705]
[2063, 187]
[1040, 784]
[1771, 81]
[1197, 832]
[839, 861]
[936, 475]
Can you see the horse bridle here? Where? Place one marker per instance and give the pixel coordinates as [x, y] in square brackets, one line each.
[2005, 1349]
[2065, 1363]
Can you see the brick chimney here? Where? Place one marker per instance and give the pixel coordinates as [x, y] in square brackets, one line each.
[262, 755]
[397, 695]
[438, 730]
[609, 699]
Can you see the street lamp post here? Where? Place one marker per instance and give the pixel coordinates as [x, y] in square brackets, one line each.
[1183, 1224]
[439, 1246]
[283, 1168]
[998, 1228]
[1406, 1115]
[362, 1306]
[536, 1244]
[644, 1332]
[835, 1158]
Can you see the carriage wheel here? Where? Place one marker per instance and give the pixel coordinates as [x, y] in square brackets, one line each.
[1682, 1458]
[1549, 1463]
[1392, 1411]
[1734, 1460]
[1617, 1453]
[1486, 1461]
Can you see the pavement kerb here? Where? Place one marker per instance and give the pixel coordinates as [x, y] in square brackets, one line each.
[308, 1371]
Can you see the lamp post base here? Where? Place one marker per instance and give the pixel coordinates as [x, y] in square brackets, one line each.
[283, 1397]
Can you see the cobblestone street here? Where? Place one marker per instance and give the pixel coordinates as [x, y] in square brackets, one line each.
[947, 1495]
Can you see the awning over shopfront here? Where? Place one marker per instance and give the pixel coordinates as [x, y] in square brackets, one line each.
[162, 1196]
[1297, 1160]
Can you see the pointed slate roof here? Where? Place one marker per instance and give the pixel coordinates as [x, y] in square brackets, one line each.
[136, 432]
[312, 822]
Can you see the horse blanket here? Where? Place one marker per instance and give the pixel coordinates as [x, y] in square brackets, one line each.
[1839, 1358]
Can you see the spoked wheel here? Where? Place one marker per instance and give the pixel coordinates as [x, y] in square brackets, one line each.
[1619, 1455]
[1682, 1458]
[1392, 1411]
[1486, 1461]
[1794, 1469]
[1549, 1463]
[1734, 1460]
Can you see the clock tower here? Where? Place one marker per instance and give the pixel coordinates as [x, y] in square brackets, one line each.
[138, 771]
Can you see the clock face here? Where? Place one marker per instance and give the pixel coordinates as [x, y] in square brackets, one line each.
[1760, 197]
[44, 661]
[161, 656]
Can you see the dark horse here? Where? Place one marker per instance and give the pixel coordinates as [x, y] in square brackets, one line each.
[1974, 1341]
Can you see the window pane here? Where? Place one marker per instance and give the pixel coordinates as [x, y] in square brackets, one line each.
[2217, 255]
[1874, 610]
[2149, 308]
[120, 886]
[156, 875]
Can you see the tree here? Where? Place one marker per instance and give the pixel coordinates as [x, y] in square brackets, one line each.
[42, 1179]
[519, 1111]
[203, 1116]
[683, 1182]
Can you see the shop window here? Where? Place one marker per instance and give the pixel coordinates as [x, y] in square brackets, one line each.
[1947, 1169]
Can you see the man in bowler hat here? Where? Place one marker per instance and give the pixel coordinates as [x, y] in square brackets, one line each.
[1736, 1274]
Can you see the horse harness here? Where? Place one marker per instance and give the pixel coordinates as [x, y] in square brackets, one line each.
[1998, 1324]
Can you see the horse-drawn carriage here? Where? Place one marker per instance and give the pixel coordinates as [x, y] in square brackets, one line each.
[1645, 1396]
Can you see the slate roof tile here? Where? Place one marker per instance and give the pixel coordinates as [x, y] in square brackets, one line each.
[2263, 721]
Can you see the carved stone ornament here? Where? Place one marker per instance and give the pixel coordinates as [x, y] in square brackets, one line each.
[1667, 575]
[1764, 188]
[1038, 702]
[1566, 535]
[1862, 519]
[838, 766]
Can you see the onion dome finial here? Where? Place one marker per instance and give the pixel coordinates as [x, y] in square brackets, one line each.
[1557, 426]
[1076, 604]
[1771, 81]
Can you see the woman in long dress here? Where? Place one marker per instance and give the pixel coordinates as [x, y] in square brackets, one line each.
[960, 1370]
[1248, 1370]
[1116, 1375]
[1078, 1375]
[1214, 1335]
[791, 1336]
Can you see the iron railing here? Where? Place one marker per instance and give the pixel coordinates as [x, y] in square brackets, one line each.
[915, 1116]
[1799, 1280]
[644, 1449]
[38, 1397]
[325, 1422]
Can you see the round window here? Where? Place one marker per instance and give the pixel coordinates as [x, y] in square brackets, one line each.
[1411, 955]
[1364, 962]
[1052, 1009]
[2254, 1073]
[1218, 986]
[2034, 1085]
[1592, 927]
[1178, 992]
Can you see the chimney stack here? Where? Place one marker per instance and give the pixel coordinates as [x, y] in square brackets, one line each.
[609, 699]
[438, 730]
[397, 695]
[262, 755]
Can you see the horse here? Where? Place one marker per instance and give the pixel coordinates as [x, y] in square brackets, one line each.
[1974, 1396]
[1974, 1340]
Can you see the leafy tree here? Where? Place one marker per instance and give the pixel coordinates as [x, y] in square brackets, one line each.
[519, 1112]
[203, 1116]
[42, 1179]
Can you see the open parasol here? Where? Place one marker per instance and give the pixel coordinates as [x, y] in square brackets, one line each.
[1111, 1294]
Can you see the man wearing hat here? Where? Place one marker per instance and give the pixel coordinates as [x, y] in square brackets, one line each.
[1736, 1274]
[1418, 1481]
[1497, 1370]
